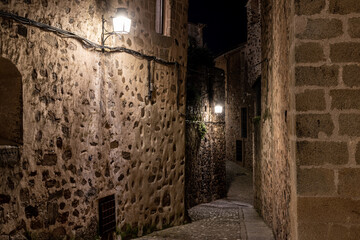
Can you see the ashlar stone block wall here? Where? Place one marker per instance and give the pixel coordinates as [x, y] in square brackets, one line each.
[327, 90]
[90, 129]
[307, 180]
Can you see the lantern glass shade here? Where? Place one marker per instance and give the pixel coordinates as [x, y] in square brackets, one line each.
[218, 109]
[121, 22]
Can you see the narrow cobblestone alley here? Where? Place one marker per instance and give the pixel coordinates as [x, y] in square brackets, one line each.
[179, 120]
[232, 218]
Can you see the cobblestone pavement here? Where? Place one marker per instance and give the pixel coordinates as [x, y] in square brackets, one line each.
[232, 218]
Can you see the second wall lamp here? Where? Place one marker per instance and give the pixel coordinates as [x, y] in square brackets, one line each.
[218, 109]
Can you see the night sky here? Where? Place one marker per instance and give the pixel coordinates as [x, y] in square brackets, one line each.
[225, 20]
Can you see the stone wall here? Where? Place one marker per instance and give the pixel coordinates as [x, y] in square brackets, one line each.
[308, 174]
[196, 34]
[253, 44]
[239, 95]
[205, 158]
[327, 89]
[274, 170]
[90, 128]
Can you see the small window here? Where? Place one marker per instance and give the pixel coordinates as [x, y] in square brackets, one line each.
[163, 16]
[239, 150]
[107, 217]
[244, 122]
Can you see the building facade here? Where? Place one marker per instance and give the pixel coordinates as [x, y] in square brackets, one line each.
[81, 127]
[239, 107]
[205, 129]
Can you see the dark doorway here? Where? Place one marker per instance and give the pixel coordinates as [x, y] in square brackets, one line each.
[239, 150]
[244, 122]
[11, 122]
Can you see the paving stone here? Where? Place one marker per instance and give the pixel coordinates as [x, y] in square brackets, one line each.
[224, 219]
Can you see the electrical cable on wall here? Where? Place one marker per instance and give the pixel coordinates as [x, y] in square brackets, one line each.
[150, 73]
[85, 42]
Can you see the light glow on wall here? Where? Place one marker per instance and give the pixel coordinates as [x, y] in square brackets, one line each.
[218, 109]
[121, 22]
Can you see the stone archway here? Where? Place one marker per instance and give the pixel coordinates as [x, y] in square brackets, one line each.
[11, 117]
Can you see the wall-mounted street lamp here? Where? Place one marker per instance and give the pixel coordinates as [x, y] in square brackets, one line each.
[121, 21]
[121, 25]
[86, 43]
[218, 109]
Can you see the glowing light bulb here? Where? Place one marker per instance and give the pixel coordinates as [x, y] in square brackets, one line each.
[218, 109]
[121, 22]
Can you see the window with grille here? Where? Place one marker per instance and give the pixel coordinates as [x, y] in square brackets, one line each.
[107, 217]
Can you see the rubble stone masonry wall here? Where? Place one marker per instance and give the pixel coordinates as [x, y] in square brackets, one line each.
[253, 45]
[205, 155]
[274, 170]
[327, 90]
[90, 129]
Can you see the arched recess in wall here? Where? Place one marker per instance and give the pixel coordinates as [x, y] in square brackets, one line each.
[11, 104]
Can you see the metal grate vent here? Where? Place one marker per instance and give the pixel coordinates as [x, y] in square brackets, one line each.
[9, 156]
[107, 218]
[239, 150]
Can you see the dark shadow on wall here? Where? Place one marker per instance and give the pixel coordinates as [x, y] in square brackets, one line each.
[10, 104]
[205, 130]
[11, 115]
